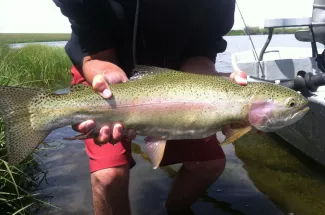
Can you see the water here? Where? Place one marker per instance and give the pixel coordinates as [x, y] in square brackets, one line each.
[262, 175]
[54, 43]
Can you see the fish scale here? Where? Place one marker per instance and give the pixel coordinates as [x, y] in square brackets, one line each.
[160, 103]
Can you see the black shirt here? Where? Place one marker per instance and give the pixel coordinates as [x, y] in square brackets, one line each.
[168, 31]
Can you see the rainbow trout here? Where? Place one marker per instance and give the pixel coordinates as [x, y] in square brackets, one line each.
[161, 104]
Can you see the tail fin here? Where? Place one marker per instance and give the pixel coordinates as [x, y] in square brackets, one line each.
[21, 138]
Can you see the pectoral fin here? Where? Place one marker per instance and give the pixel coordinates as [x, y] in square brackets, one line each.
[235, 134]
[155, 148]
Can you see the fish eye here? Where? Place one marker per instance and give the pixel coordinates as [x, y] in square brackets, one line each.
[291, 102]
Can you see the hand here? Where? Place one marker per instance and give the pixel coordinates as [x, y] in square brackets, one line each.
[239, 77]
[100, 74]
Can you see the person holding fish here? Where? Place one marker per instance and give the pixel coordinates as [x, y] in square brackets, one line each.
[182, 35]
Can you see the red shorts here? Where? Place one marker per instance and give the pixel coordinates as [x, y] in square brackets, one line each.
[176, 151]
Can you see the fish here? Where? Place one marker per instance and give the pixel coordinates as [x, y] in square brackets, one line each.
[159, 103]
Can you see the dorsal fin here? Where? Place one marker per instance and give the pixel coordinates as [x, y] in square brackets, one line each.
[142, 71]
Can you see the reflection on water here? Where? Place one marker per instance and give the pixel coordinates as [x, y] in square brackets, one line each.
[226, 207]
[50, 43]
[289, 178]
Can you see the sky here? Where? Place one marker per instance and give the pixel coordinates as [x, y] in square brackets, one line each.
[42, 16]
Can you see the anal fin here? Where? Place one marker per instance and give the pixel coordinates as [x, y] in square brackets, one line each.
[155, 148]
[235, 134]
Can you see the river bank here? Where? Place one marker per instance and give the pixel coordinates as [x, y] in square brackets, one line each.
[32, 66]
[50, 37]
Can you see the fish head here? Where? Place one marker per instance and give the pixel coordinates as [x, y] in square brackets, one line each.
[276, 109]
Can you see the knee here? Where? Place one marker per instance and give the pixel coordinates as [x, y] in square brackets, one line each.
[207, 168]
[115, 176]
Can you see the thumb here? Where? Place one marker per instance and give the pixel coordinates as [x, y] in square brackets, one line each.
[239, 77]
[101, 86]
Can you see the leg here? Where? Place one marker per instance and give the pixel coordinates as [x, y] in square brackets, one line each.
[110, 190]
[203, 162]
[193, 179]
[110, 170]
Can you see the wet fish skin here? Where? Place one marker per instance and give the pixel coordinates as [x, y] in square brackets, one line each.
[159, 103]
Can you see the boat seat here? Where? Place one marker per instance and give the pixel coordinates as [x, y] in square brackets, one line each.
[317, 24]
[287, 22]
[271, 24]
[315, 33]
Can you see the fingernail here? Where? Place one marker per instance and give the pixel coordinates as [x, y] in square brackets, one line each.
[87, 125]
[104, 134]
[105, 131]
[119, 129]
[106, 93]
[241, 80]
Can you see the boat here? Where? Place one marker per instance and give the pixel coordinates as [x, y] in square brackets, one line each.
[302, 69]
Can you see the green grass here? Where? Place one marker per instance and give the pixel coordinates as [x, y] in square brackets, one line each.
[31, 66]
[34, 66]
[32, 37]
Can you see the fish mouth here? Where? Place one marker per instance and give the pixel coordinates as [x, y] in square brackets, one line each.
[300, 113]
[303, 109]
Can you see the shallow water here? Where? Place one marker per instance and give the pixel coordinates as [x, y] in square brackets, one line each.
[263, 175]
[68, 178]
